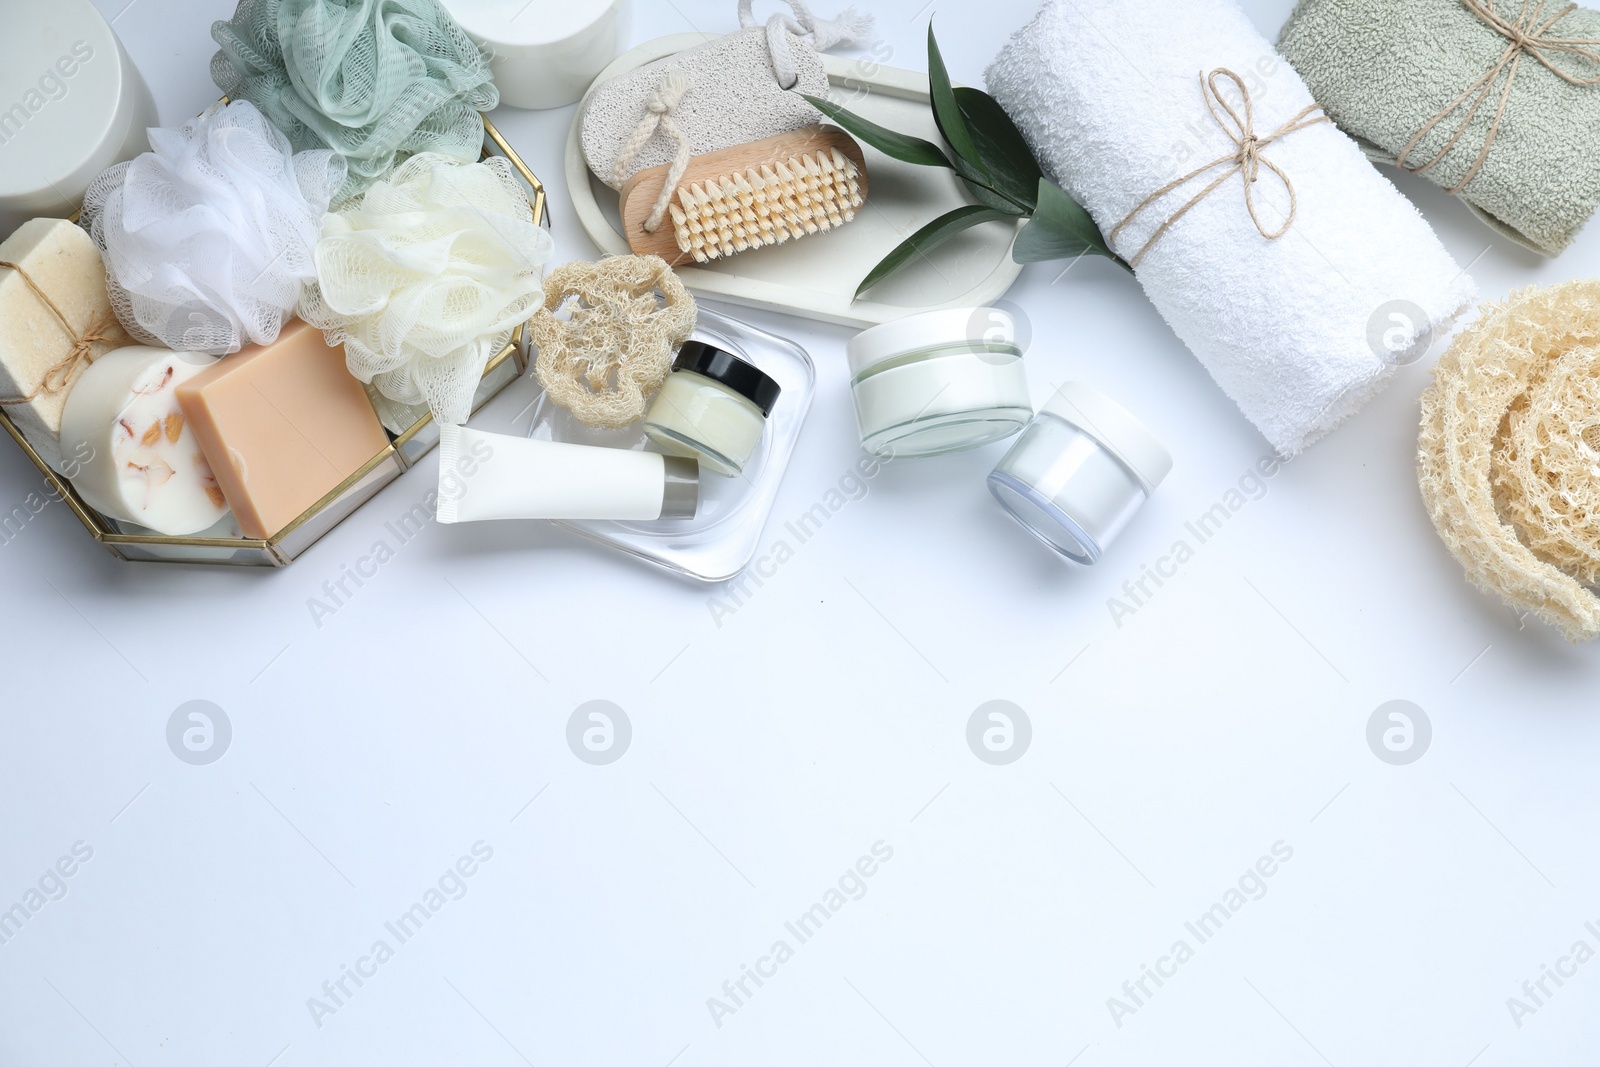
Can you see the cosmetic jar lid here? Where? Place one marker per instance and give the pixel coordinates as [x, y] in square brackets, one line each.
[1117, 430]
[728, 370]
[928, 330]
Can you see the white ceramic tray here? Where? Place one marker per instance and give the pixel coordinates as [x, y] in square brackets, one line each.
[816, 277]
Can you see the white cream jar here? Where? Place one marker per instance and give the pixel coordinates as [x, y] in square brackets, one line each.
[544, 53]
[941, 381]
[1080, 472]
[713, 407]
[71, 104]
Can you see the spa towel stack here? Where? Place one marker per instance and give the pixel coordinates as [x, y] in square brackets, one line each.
[1384, 68]
[1109, 95]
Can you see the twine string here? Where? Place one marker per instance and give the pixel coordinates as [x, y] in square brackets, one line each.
[659, 106]
[59, 374]
[1526, 35]
[1246, 160]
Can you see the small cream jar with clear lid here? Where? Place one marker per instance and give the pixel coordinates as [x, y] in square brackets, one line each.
[1080, 472]
[941, 381]
[713, 407]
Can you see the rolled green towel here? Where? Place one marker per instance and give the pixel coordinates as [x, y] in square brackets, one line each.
[1382, 69]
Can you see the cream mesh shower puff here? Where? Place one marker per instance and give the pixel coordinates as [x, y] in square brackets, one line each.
[207, 238]
[374, 80]
[1507, 457]
[424, 278]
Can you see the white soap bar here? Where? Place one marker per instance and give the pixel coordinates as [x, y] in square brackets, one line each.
[143, 464]
[543, 53]
[65, 264]
[71, 104]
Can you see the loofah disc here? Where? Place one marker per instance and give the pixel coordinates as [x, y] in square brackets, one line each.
[1507, 456]
[628, 314]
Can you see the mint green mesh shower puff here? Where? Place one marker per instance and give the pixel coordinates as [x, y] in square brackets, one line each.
[374, 80]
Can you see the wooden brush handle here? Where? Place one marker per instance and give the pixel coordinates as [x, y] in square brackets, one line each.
[639, 193]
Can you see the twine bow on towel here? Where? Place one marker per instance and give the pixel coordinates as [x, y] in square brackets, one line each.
[1527, 34]
[1246, 159]
[59, 374]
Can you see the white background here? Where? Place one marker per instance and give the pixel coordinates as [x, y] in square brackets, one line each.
[827, 713]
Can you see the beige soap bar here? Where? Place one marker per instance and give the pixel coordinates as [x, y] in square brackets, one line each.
[282, 424]
[66, 265]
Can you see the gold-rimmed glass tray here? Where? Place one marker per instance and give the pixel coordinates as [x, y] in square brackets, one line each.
[290, 542]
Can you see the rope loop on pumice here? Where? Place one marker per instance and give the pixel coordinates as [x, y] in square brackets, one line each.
[1526, 35]
[1246, 160]
[659, 106]
[822, 34]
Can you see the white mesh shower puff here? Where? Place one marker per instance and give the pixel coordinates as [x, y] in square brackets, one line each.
[424, 278]
[208, 237]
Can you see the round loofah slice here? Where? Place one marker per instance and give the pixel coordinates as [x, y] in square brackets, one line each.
[1507, 456]
[627, 315]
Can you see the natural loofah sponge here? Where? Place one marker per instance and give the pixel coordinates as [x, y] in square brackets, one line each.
[1508, 459]
[374, 80]
[424, 278]
[627, 315]
[207, 238]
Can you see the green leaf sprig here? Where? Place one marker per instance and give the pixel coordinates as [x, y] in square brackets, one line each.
[994, 162]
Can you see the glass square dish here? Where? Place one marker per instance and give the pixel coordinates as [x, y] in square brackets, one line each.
[722, 538]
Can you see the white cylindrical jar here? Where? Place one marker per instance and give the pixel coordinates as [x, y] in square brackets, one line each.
[71, 104]
[713, 407]
[941, 381]
[543, 53]
[1080, 471]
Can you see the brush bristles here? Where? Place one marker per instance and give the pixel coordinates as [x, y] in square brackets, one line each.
[810, 193]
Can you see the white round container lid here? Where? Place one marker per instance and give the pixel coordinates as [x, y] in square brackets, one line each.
[930, 329]
[1115, 428]
[527, 22]
[64, 103]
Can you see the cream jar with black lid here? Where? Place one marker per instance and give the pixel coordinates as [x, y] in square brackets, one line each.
[713, 407]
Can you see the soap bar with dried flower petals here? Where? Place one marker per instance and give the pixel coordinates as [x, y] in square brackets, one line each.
[138, 459]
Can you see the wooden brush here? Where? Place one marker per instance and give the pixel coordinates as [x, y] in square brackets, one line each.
[749, 196]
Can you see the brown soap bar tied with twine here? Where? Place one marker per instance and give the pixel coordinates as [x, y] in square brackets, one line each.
[1498, 101]
[55, 319]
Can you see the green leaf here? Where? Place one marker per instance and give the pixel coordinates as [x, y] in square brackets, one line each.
[899, 146]
[1005, 153]
[946, 113]
[1059, 229]
[929, 237]
[989, 198]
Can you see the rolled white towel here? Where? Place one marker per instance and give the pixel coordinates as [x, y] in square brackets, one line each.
[1109, 93]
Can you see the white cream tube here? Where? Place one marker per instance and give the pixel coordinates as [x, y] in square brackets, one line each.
[495, 476]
